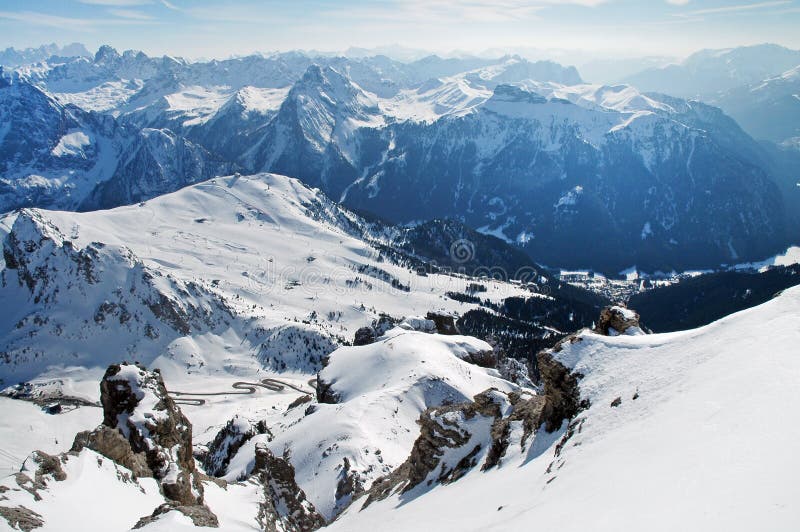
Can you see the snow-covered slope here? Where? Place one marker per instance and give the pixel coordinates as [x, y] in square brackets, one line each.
[373, 396]
[685, 430]
[223, 276]
[769, 109]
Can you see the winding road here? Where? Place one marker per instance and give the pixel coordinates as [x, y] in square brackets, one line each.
[239, 388]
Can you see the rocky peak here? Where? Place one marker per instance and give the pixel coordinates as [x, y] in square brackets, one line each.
[285, 506]
[616, 320]
[227, 443]
[106, 54]
[136, 404]
[33, 249]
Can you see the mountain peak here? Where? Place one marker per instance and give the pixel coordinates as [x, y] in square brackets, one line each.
[106, 53]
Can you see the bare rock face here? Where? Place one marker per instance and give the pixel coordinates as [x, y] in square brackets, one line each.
[285, 505]
[325, 392]
[516, 371]
[43, 468]
[227, 442]
[469, 434]
[367, 335]
[364, 336]
[21, 518]
[616, 320]
[349, 486]
[457, 438]
[201, 516]
[144, 430]
[113, 445]
[445, 323]
[484, 359]
[561, 392]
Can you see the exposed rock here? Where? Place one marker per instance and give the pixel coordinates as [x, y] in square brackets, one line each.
[159, 437]
[21, 518]
[529, 410]
[364, 336]
[485, 359]
[227, 442]
[465, 426]
[349, 486]
[325, 392]
[618, 320]
[516, 371]
[383, 324]
[113, 445]
[445, 323]
[303, 399]
[45, 465]
[285, 506]
[561, 392]
[482, 431]
[200, 515]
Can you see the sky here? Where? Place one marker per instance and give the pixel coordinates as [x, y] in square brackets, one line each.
[221, 28]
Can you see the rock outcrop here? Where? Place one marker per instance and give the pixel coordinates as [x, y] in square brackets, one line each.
[285, 506]
[445, 323]
[364, 336]
[457, 438]
[227, 443]
[616, 320]
[516, 371]
[144, 430]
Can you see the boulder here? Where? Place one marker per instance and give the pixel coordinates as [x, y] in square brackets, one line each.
[364, 336]
[445, 323]
[616, 320]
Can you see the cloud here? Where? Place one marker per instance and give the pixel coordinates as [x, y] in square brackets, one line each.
[43, 19]
[678, 2]
[737, 8]
[428, 11]
[117, 3]
[130, 14]
[170, 5]
[36, 18]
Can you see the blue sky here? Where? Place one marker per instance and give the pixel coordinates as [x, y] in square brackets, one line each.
[220, 28]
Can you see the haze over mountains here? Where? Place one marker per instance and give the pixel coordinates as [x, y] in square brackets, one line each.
[300, 290]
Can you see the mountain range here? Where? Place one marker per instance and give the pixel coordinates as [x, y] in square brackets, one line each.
[573, 174]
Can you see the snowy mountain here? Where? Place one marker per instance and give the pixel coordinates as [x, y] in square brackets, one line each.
[569, 182]
[61, 156]
[708, 73]
[11, 57]
[259, 263]
[769, 109]
[515, 149]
